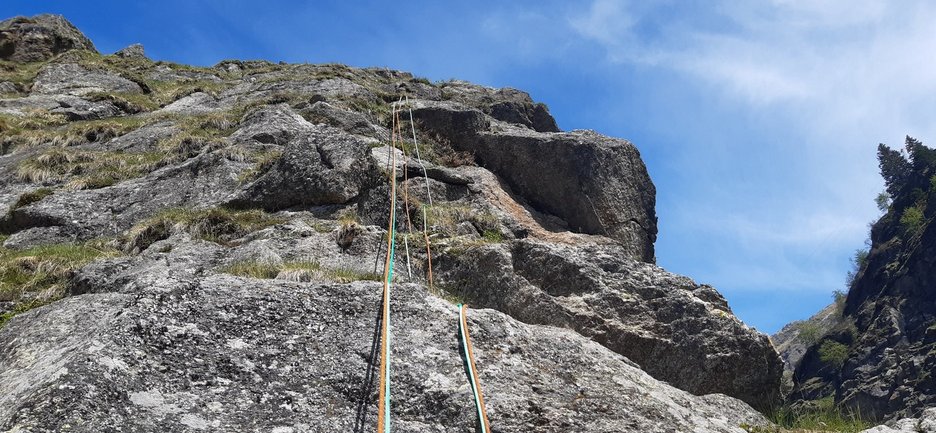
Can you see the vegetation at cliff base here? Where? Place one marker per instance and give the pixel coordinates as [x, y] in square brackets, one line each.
[822, 415]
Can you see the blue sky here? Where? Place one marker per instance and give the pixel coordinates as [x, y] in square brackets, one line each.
[758, 121]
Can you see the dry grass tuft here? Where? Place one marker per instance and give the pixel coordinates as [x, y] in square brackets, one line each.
[36, 276]
[218, 225]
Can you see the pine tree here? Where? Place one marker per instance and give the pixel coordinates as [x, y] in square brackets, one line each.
[895, 169]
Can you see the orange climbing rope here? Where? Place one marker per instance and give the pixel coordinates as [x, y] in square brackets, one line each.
[383, 409]
[472, 368]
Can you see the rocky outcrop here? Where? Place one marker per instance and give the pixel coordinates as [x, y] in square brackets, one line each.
[203, 181]
[925, 423]
[508, 105]
[797, 337]
[163, 341]
[39, 38]
[596, 184]
[230, 354]
[72, 79]
[881, 360]
[675, 329]
[207, 242]
[133, 51]
[326, 166]
[793, 340]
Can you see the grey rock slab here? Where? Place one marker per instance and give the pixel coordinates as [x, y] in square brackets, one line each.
[74, 79]
[275, 124]
[8, 87]
[72, 107]
[165, 72]
[204, 181]
[144, 139]
[925, 423]
[346, 120]
[234, 354]
[675, 329]
[195, 103]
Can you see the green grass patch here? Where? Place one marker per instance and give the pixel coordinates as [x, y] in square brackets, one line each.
[22, 135]
[131, 103]
[492, 236]
[833, 353]
[912, 220]
[252, 269]
[444, 218]
[452, 293]
[218, 225]
[261, 162]
[303, 270]
[822, 416]
[32, 196]
[86, 169]
[21, 74]
[37, 276]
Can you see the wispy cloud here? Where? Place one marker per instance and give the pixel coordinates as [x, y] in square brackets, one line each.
[822, 82]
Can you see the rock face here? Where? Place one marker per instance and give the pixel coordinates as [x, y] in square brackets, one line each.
[675, 329]
[797, 337]
[134, 51]
[597, 184]
[325, 166]
[887, 344]
[39, 38]
[925, 423]
[200, 252]
[229, 354]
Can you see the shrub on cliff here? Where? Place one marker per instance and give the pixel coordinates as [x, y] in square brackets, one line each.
[833, 353]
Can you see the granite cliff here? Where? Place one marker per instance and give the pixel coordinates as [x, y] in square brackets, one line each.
[194, 248]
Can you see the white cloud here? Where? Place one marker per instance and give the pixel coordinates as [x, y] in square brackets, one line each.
[848, 60]
[841, 74]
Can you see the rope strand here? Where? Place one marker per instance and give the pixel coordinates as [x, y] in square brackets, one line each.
[383, 409]
[472, 369]
[428, 194]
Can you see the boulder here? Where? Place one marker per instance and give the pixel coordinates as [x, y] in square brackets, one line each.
[323, 166]
[72, 107]
[73, 79]
[274, 124]
[346, 120]
[39, 38]
[134, 51]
